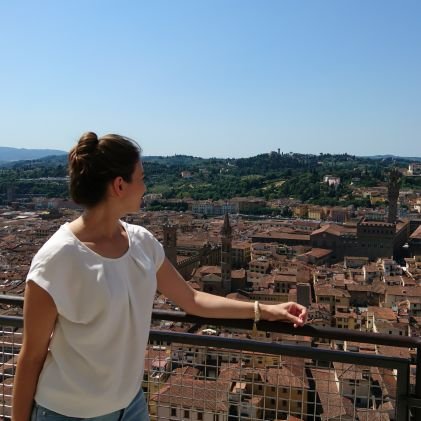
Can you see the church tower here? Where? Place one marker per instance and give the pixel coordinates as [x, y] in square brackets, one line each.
[393, 187]
[226, 260]
[170, 242]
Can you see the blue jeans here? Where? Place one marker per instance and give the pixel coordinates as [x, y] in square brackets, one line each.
[136, 411]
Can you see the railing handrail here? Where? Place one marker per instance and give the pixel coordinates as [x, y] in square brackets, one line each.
[288, 328]
[276, 327]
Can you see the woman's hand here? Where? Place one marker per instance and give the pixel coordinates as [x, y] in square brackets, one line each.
[292, 312]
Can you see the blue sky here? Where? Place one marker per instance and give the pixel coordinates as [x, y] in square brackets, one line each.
[224, 78]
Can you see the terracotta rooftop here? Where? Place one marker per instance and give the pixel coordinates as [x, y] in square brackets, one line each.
[318, 252]
[329, 291]
[185, 390]
[358, 288]
[334, 229]
[392, 351]
[328, 392]
[372, 415]
[154, 356]
[382, 313]
[216, 270]
[404, 291]
[283, 236]
[349, 371]
[284, 278]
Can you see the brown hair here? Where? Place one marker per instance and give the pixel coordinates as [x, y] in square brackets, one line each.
[94, 162]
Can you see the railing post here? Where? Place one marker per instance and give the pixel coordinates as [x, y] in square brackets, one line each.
[402, 393]
[417, 411]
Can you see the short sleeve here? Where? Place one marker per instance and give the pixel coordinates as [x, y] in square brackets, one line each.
[70, 280]
[159, 253]
[48, 273]
[147, 244]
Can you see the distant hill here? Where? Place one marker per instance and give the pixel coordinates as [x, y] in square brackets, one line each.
[179, 161]
[406, 158]
[165, 165]
[14, 154]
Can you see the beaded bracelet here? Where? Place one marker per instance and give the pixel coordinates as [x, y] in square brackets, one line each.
[256, 311]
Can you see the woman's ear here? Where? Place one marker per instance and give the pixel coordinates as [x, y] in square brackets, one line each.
[117, 186]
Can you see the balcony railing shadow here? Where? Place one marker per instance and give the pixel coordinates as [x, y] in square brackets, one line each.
[219, 369]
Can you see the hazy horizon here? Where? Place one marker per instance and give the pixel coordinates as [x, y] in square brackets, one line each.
[196, 156]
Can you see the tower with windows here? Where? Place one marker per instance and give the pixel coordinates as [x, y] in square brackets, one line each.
[170, 242]
[226, 259]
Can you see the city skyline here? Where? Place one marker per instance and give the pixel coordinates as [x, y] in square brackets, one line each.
[214, 79]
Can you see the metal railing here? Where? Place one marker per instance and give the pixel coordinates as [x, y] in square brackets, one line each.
[221, 372]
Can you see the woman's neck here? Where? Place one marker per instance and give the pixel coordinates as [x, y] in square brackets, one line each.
[98, 222]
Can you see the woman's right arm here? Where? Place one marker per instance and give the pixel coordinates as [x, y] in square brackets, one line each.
[40, 314]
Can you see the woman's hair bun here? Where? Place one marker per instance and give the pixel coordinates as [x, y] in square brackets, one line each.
[81, 154]
[89, 136]
[87, 143]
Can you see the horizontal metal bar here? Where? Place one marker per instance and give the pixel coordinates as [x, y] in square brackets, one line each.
[279, 349]
[288, 328]
[278, 327]
[13, 321]
[15, 300]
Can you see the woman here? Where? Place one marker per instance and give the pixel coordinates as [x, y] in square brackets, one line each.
[89, 297]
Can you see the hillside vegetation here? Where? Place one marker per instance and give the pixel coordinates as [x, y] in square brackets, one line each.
[270, 176]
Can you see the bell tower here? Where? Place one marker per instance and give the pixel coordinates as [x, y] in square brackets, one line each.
[393, 187]
[170, 242]
[226, 259]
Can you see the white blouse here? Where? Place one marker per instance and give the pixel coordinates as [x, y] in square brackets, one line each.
[96, 355]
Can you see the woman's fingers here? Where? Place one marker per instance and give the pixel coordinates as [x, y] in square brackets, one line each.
[294, 319]
[297, 314]
[291, 311]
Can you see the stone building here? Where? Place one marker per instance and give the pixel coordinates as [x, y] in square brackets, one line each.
[372, 239]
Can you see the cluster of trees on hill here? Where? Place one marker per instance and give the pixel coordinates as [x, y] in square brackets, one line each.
[270, 176]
